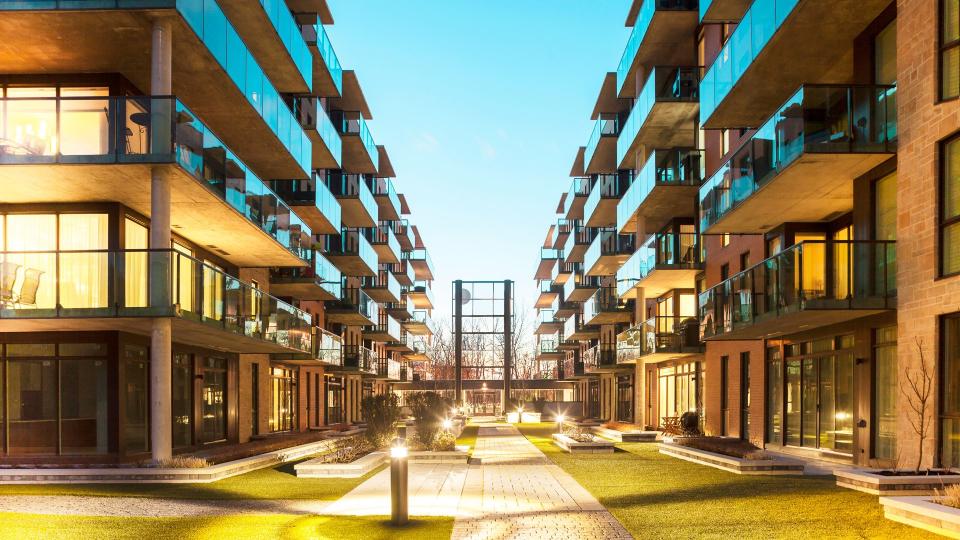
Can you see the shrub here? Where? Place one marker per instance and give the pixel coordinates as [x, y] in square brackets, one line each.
[444, 441]
[690, 423]
[183, 462]
[348, 450]
[949, 496]
[429, 409]
[381, 414]
[728, 447]
[578, 434]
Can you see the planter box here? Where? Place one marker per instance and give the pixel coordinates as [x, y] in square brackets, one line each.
[625, 436]
[334, 434]
[315, 468]
[598, 446]
[733, 464]
[455, 456]
[885, 486]
[923, 513]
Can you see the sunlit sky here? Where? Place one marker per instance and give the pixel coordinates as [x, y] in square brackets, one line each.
[482, 105]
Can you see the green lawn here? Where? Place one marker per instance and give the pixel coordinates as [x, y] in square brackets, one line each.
[279, 482]
[468, 436]
[656, 496]
[20, 526]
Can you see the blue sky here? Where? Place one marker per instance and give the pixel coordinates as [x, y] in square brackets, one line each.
[482, 105]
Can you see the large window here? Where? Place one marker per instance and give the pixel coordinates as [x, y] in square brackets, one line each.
[885, 390]
[214, 405]
[950, 207]
[136, 401]
[950, 392]
[949, 39]
[182, 403]
[774, 395]
[679, 389]
[625, 398]
[283, 413]
[335, 390]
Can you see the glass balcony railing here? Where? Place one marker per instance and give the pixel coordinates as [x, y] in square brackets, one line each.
[383, 187]
[313, 192]
[572, 325]
[419, 345]
[316, 35]
[662, 251]
[312, 117]
[547, 316]
[423, 317]
[605, 186]
[289, 33]
[322, 272]
[404, 272]
[383, 236]
[420, 255]
[354, 299]
[675, 167]
[353, 123]
[550, 254]
[751, 35]
[580, 281]
[665, 84]
[605, 300]
[359, 358]
[353, 243]
[404, 308]
[105, 130]
[404, 232]
[661, 334]
[816, 120]
[144, 283]
[647, 9]
[563, 228]
[424, 288]
[811, 275]
[387, 325]
[608, 243]
[384, 280]
[388, 368]
[564, 268]
[353, 186]
[572, 366]
[605, 126]
[600, 356]
[327, 347]
[547, 346]
[579, 187]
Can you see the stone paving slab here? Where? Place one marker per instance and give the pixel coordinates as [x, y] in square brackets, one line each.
[68, 505]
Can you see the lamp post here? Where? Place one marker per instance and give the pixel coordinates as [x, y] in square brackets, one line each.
[398, 482]
[560, 419]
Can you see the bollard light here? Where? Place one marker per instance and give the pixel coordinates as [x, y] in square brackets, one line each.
[398, 482]
[447, 424]
[560, 419]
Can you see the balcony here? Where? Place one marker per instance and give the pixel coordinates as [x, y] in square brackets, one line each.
[572, 367]
[600, 209]
[547, 323]
[360, 153]
[404, 232]
[403, 345]
[719, 11]
[385, 243]
[421, 324]
[661, 33]
[562, 309]
[358, 207]
[547, 350]
[405, 373]
[608, 252]
[404, 273]
[401, 310]
[422, 263]
[388, 369]
[111, 144]
[549, 258]
[561, 232]
[386, 330]
[563, 270]
[387, 199]
[666, 187]
[383, 287]
[600, 153]
[358, 359]
[574, 331]
[351, 253]
[576, 197]
[320, 281]
[548, 291]
[354, 308]
[602, 358]
[768, 56]
[327, 151]
[583, 237]
[605, 307]
[422, 295]
[659, 339]
[807, 286]
[580, 287]
[667, 261]
[327, 71]
[76, 291]
[664, 115]
[326, 351]
[800, 165]
[420, 349]
[313, 202]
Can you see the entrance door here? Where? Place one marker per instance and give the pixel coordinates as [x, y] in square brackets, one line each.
[593, 398]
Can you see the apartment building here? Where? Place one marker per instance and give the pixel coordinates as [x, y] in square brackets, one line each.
[781, 257]
[201, 244]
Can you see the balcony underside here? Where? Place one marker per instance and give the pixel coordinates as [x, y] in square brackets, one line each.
[303, 289]
[387, 210]
[354, 214]
[605, 214]
[562, 277]
[421, 270]
[568, 345]
[417, 328]
[663, 280]
[575, 376]
[545, 300]
[196, 212]
[416, 357]
[670, 124]
[255, 28]
[607, 368]
[785, 324]
[576, 207]
[398, 313]
[665, 43]
[561, 239]
[548, 328]
[576, 252]
[610, 317]
[662, 204]
[381, 295]
[581, 293]
[544, 269]
[421, 300]
[323, 83]
[725, 10]
[348, 317]
[816, 187]
[306, 361]
[315, 219]
[604, 158]
[113, 41]
[663, 356]
[379, 335]
[550, 356]
[607, 265]
[825, 32]
[398, 346]
[185, 331]
[367, 374]
[386, 254]
[321, 156]
[356, 159]
[583, 333]
[351, 265]
[567, 309]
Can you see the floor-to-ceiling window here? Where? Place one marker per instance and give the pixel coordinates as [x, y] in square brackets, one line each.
[334, 410]
[774, 428]
[214, 405]
[136, 381]
[949, 391]
[625, 398]
[745, 395]
[885, 390]
[136, 238]
[182, 403]
[679, 389]
[593, 398]
[283, 412]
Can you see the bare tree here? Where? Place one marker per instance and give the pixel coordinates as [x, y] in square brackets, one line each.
[917, 388]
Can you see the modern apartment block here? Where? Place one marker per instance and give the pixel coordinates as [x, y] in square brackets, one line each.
[761, 228]
[201, 244]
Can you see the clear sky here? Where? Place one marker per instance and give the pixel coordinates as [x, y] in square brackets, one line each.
[482, 105]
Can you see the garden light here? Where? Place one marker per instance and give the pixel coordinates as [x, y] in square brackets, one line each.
[398, 482]
[447, 424]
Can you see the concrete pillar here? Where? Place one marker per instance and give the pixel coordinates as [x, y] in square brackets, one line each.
[161, 337]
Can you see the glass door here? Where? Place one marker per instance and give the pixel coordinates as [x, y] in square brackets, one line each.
[214, 406]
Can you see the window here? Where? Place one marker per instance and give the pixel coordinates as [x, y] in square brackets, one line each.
[725, 240]
[745, 395]
[181, 406]
[724, 271]
[135, 238]
[950, 392]
[885, 390]
[950, 207]
[335, 390]
[744, 261]
[774, 395]
[724, 395]
[214, 406]
[137, 405]
[283, 413]
[625, 398]
[949, 49]
[255, 399]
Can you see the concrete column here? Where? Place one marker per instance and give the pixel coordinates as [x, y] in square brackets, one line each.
[161, 338]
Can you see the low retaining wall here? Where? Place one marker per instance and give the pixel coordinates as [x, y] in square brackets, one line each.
[454, 456]
[598, 446]
[625, 436]
[885, 486]
[316, 468]
[923, 513]
[733, 464]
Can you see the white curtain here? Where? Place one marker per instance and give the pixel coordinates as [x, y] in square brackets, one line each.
[83, 275]
[135, 267]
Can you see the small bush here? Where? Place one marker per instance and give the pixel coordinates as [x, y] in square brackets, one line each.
[381, 414]
[728, 447]
[429, 409]
[183, 462]
[949, 496]
[348, 450]
[444, 441]
[578, 434]
[690, 423]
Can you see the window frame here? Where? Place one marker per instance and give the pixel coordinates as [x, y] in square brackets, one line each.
[941, 49]
[944, 223]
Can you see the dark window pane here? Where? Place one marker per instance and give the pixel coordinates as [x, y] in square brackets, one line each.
[136, 403]
[182, 403]
[32, 405]
[83, 406]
